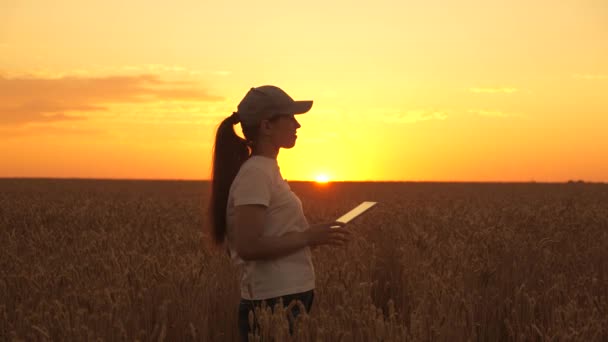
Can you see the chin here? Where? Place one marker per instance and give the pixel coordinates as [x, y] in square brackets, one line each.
[289, 144]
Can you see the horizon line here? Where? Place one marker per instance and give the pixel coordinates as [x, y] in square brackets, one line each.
[310, 181]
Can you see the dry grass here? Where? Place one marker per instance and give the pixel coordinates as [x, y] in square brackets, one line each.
[120, 260]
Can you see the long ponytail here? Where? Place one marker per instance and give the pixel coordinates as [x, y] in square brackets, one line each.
[229, 153]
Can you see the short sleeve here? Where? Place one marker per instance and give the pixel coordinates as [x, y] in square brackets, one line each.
[253, 187]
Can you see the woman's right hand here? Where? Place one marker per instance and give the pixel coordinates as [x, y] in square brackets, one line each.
[324, 234]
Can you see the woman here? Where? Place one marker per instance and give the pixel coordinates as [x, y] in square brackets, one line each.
[253, 209]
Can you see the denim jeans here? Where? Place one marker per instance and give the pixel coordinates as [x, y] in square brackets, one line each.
[247, 305]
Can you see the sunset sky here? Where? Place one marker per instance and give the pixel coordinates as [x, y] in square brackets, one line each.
[472, 90]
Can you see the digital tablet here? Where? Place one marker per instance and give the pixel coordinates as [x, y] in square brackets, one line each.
[356, 212]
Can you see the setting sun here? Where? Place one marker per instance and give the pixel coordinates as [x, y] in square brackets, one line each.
[322, 178]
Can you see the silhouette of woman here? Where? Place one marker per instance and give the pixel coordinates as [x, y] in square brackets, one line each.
[255, 213]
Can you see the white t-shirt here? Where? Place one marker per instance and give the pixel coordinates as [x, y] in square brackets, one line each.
[259, 181]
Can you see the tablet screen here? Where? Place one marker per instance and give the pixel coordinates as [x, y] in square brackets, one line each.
[358, 210]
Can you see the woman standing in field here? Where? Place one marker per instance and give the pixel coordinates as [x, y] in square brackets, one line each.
[254, 211]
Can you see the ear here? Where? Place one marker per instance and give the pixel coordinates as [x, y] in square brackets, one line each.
[265, 125]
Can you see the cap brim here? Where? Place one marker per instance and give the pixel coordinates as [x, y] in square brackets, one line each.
[300, 107]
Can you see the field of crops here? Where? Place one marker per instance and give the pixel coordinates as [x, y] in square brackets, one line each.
[127, 260]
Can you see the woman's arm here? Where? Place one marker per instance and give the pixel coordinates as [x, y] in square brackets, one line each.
[251, 245]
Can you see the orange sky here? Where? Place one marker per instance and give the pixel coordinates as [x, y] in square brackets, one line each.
[474, 90]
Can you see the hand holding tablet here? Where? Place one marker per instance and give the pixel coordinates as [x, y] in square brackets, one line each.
[319, 234]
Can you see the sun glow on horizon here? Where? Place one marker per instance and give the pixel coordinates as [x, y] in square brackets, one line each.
[322, 178]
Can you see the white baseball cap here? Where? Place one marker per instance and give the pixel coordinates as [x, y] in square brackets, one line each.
[266, 101]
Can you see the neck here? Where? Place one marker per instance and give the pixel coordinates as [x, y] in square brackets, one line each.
[265, 149]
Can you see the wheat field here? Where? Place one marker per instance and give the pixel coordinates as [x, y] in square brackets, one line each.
[128, 260]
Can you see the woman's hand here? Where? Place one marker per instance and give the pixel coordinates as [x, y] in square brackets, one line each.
[324, 234]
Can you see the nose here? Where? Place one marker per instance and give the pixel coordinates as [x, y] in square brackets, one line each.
[297, 123]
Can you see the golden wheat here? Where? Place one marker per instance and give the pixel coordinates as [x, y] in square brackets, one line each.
[122, 260]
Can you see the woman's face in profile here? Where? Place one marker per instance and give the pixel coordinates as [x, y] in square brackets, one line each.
[284, 131]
